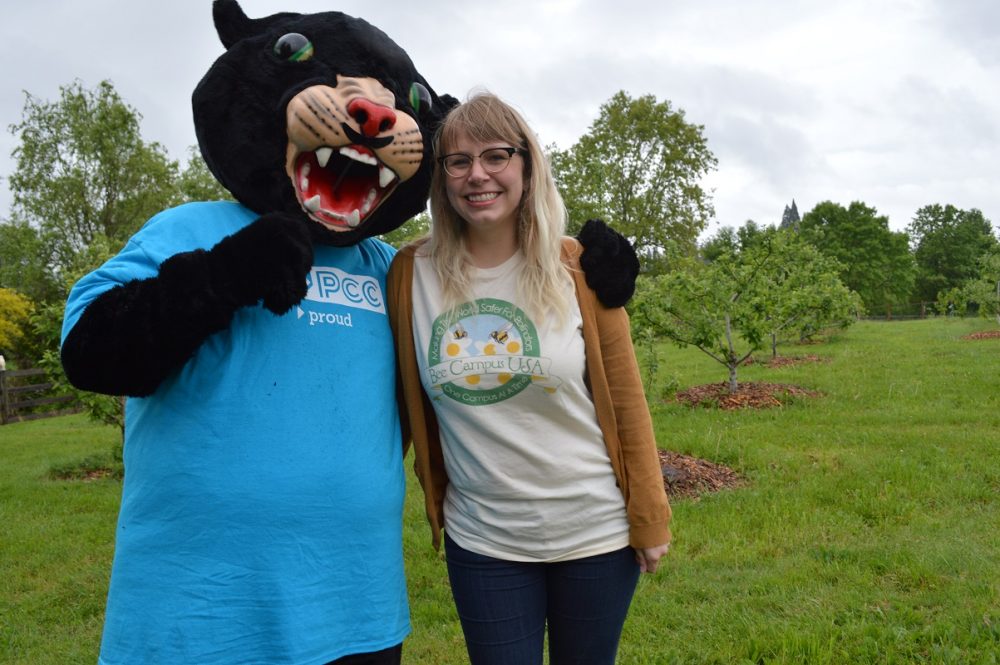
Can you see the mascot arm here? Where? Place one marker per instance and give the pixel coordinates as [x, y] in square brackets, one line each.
[130, 338]
[609, 263]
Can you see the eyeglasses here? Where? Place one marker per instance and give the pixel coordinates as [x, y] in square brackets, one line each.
[494, 160]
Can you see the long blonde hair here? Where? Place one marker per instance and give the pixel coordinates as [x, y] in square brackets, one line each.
[543, 284]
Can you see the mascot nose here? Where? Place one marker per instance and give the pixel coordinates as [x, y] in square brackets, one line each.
[371, 117]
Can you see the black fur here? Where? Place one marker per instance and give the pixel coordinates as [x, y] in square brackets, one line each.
[239, 107]
[135, 335]
[132, 337]
[609, 263]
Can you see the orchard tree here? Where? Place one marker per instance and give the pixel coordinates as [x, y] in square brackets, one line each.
[875, 261]
[803, 293]
[639, 168]
[705, 306]
[729, 308]
[984, 291]
[947, 244]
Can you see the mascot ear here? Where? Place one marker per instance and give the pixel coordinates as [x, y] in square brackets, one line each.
[447, 103]
[230, 22]
[444, 104]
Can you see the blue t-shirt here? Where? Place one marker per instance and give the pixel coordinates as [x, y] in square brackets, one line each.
[261, 517]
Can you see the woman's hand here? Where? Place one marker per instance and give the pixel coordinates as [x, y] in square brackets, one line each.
[649, 557]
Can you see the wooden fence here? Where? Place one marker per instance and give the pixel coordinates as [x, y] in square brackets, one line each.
[23, 398]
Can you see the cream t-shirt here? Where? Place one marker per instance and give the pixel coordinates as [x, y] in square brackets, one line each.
[530, 477]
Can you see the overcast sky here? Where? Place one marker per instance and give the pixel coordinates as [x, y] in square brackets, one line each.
[892, 102]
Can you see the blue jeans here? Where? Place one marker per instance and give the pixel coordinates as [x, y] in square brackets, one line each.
[504, 606]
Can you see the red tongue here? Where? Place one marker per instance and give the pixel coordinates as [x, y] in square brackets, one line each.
[341, 193]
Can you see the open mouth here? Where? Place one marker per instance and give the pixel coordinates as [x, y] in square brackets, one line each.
[340, 187]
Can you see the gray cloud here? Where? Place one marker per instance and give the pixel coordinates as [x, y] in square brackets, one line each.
[892, 103]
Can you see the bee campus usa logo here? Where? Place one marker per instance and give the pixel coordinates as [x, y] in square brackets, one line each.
[486, 352]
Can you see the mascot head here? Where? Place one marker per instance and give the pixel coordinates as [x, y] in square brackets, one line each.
[320, 115]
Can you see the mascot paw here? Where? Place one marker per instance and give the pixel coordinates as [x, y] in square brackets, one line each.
[268, 260]
[609, 263]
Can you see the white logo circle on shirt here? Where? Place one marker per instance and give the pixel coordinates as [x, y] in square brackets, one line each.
[484, 352]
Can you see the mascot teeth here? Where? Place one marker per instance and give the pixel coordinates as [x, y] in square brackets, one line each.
[369, 200]
[385, 176]
[312, 205]
[354, 219]
[323, 156]
[357, 156]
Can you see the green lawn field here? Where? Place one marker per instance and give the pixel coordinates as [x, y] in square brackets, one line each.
[867, 531]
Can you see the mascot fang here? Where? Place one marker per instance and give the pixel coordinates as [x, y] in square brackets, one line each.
[261, 513]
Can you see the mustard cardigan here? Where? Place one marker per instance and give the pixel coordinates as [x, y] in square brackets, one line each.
[612, 376]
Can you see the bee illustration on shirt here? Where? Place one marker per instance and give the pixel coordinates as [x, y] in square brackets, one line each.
[500, 336]
[459, 332]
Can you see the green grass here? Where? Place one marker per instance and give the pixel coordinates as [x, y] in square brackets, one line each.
[867, 533]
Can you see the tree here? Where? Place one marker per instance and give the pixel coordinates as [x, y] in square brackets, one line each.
[724, 241]
[83, 171]
[947, 243]
[196, 182]
[46, 326]
[15, 311]
[985, 290]
[875, 261]
[415, 228]
[732, 240]
[24, 261]
[701, 306]
[85, 181]
[728, 308]
[638, 168]
[803, 293]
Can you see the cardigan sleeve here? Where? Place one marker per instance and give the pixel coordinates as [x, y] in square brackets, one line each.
[416, 414]
[645, 498]
[622, 412]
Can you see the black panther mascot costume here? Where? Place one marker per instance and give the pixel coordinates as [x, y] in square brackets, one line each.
[262, 502]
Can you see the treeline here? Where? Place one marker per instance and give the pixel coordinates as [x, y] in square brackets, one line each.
[639, 167]
[85, 181]
[941, 263]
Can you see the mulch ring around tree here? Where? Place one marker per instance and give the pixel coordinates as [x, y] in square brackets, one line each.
[985, 334]
[748, 395]
[689, 477]
[786, 361]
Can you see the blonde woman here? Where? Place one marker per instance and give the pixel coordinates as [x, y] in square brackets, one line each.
[533, 442]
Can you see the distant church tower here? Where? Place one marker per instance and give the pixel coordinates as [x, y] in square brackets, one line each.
[790, 218]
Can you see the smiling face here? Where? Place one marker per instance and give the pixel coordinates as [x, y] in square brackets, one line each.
[488, 202]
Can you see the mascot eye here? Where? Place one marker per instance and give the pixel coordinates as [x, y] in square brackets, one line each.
[420, 98]
[294, 48]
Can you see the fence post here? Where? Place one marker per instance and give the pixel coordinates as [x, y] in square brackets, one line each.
[4, 398]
